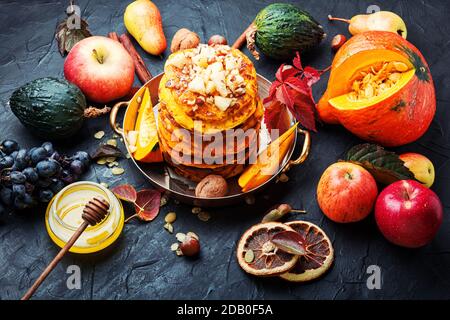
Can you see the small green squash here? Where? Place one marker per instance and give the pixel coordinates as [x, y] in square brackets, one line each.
[282, 29]
[51, 108]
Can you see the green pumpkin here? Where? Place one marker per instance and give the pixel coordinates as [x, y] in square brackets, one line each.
[50, 108]
[283, 29]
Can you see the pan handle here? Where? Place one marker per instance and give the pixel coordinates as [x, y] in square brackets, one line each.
[304, 154]
[113, 116]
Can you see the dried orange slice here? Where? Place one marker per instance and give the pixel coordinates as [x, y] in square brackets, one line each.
[318, 257]
[257, 255]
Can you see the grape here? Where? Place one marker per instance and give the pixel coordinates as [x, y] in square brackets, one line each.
[55, 156]
[36, 174]
[21, 160]
[6, 162]
[31, 174]
[67, 177]
[43, 182]
[19, 203]
[19, 190]
[48, 146]
[83, 157]
[47, 168]
[17, 177]
[57, 186]
[77, 167]
[9, 146]
[37, 155]
[6, 196]
[45, 195]
[29, 188]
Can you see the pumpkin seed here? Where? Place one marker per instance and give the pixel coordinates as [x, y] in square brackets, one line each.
[112, 142]
[128, 156]
[204, 216]
[174, 246]
[110, 159]
[117, 171]
[179, 252]
[169, 227]
[104, 184]
[196, 210]
[100, 134]
[180, 236]
[400, 66]
[170, 217]
[249, 256]
[101, 161]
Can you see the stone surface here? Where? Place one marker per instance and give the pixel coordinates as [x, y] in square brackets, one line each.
[141, 265]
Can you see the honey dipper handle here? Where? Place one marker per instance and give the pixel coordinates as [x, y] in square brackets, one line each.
[55, 261]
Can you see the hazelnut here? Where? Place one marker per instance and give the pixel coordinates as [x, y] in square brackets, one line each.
[184, 39]
[211, 186]
[338, 41]
[217, 39]
[190, 245]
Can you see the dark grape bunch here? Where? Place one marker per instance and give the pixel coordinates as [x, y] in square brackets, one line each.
[30, 177]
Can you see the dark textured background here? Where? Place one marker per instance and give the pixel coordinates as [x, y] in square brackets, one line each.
[141, 265]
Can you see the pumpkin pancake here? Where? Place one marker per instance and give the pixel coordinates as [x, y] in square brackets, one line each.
[208, 91]
[223, 79]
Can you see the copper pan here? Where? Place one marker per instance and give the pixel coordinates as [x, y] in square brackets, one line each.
[163, 177]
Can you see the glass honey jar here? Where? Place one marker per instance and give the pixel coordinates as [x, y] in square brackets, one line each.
[63, 217]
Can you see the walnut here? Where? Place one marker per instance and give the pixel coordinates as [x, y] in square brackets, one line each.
[211, 186]
[184, 39]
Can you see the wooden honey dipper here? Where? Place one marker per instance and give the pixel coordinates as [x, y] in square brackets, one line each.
[94, 212]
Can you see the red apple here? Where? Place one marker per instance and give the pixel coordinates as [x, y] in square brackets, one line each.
[420, 166]
[408, 214]
[101, 68]
[346, 192]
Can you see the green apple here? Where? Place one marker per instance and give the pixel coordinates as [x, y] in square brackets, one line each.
[420, 166]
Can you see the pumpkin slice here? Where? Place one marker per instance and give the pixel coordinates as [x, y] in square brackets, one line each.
[351, 101]
[380, 89]
[147, 140]
[267, 162]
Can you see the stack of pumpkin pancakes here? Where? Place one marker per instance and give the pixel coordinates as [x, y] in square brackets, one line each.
[209, 95]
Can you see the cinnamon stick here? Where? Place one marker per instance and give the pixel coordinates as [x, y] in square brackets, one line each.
[242, 38]
[114, 36]
[142, 72]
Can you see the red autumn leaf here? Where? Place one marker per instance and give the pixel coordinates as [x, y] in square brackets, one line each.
[277, 115]
[125, 192]
[289, 241]
[312, 75]
[297, 62]
[292, 89]
[304, 112]
[273, 90]
[284, 96]
[147, 204]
